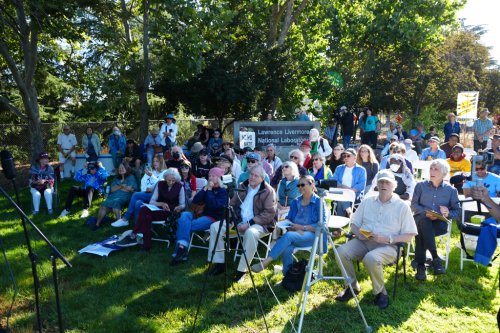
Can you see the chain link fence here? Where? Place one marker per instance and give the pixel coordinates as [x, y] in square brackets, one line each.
[16, 138]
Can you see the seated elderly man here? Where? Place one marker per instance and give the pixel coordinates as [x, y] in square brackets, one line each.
[378, 224]
[433, 196]
[254, 205]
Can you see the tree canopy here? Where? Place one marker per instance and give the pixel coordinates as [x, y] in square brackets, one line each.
[134, 60]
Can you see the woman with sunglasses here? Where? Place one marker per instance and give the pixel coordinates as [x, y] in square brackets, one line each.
[366, 158]
[296, 156]
[287, 188]
[188, 181]
[304, 216]
[319, 170]
[336, 158]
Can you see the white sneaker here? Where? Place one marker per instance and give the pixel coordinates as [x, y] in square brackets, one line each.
[64, 213]
[85, 213]
[119, 223]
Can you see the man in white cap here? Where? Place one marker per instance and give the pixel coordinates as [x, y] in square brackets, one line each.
[378, 224]
[433, 152]
[410, 154]
[482, 130]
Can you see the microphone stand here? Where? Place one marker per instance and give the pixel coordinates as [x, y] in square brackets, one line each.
[33, 258]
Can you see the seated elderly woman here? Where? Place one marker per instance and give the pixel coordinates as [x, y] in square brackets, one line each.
[287, 187]
[148, 182]
[295, 156]
[304, 216]
[169, 196]
[214, 196]
[319, 171]
[404, 177]
[42, 182]
[433, 196]
[121, 191]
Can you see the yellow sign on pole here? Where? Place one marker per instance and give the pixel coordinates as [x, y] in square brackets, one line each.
[467, 105]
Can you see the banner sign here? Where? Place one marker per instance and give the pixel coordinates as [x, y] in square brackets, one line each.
[467, 105]
[247, 139]
[279, 133]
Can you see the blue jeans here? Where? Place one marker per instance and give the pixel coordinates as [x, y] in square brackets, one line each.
[186, 224]
[134, 206]
[347, 141]
[287, 243]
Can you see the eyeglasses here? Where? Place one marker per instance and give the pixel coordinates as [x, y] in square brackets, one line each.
[251, 161]
[294, 157]
[286, 166]
[302, 184]
[338, 149]
[480, 168]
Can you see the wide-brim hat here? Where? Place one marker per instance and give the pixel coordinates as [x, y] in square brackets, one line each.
[170, 116]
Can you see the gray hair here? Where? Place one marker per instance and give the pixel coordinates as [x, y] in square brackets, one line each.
[293, 166]
[318, 155]
[297, 152]
[259, 169]
[172, 172]
[177, 148]
[442, 165]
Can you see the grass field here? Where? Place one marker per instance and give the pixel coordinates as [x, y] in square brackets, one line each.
[134, 291]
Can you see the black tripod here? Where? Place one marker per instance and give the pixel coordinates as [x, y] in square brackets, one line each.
[10, 173]
[227, 212]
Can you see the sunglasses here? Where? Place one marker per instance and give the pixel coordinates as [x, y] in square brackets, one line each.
[251, 161]
[480, 168]
[302, 184]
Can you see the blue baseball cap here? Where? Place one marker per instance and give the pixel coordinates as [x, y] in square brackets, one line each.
[253, 156]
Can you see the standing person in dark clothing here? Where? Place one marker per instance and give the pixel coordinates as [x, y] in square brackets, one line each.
[347, 122]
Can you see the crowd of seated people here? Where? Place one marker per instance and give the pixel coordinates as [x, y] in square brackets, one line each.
[258, 184]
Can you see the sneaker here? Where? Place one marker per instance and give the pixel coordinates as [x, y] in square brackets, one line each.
[85, 213]
[437, 264]
[119, 223]
[127, 242]
[64, 213]
[181, 253]
[421, 273]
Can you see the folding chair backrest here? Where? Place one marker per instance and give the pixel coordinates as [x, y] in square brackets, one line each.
[200, 183]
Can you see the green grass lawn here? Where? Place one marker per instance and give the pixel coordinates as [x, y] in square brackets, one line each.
[134, 291]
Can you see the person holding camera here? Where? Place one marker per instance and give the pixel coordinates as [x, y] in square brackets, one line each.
[254, 205]
[93, 180]
[213, 197]
[488, 179]
[168, 132]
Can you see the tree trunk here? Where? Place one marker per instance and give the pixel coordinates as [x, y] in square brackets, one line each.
[143, 93]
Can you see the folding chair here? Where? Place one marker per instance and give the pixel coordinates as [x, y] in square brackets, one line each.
[469, 231]
[335, 195]
[200, 183]
[444, 239]
[267, 244]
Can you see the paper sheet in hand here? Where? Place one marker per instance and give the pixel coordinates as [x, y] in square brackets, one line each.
[103, 248]
[437, 215]
[152, 207]
[284, 224]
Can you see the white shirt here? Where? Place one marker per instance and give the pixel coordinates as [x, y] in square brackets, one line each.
[166, 128]
[66, 141]
[247, 205]
[347, 176]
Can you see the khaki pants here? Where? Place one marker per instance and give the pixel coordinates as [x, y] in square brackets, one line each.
[250, 242]
[375, 256]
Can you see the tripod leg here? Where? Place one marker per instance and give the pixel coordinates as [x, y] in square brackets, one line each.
[56, 291]
[251, 278]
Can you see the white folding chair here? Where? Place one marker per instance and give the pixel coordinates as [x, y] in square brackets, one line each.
[444, 239]
[200, 183]
[335, 195]
[267, 243]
